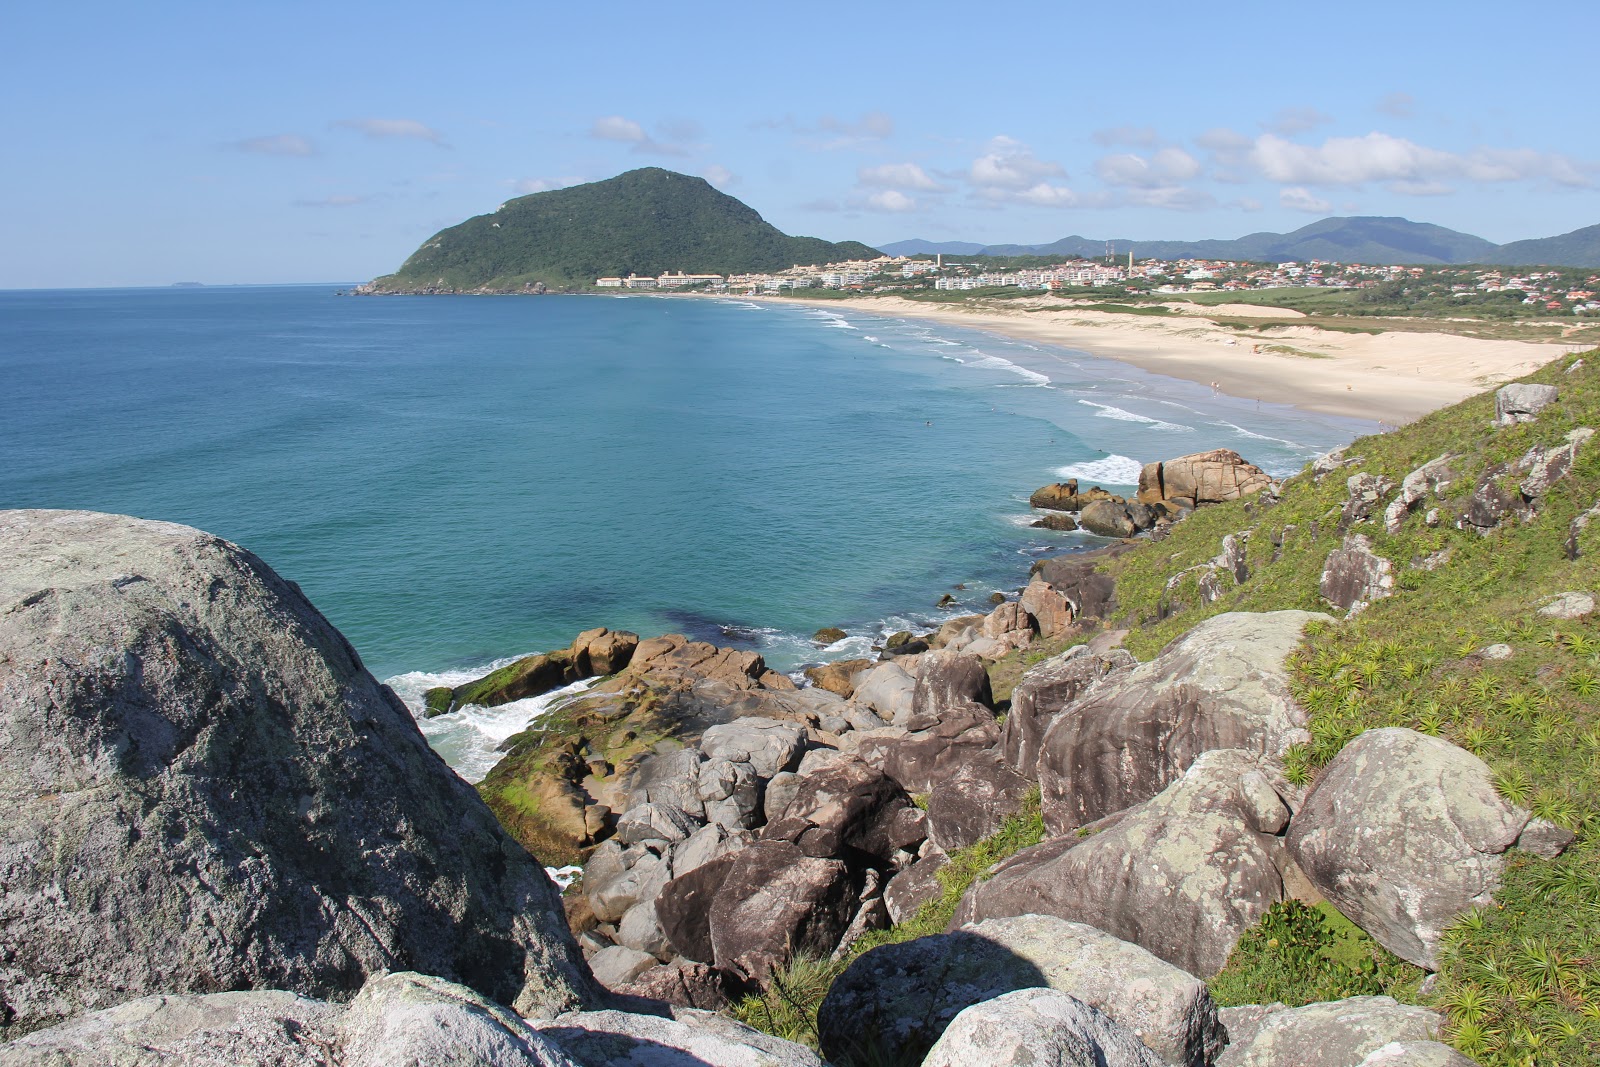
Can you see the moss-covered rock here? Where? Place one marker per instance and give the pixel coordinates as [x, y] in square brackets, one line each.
[438, 701]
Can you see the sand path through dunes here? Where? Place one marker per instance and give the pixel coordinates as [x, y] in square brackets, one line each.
[1392, 377]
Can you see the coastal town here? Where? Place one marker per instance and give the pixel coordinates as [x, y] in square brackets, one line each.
[1547, 292]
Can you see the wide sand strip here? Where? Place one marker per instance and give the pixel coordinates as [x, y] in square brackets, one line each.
[1393, 377]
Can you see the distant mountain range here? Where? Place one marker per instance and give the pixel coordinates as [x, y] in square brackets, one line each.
[1355, 239]
[646, 221]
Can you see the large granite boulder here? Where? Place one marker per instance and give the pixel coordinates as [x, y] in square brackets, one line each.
[202, 787]
[1046, 689]
[1403, 833]
[1049, 607]
[1181, 875]
[1354, 576]
[936, 750]
[1221, 685]
[847, 810]
[686, 1038]
[1107, 518]
[946, 680]
[1037, 1028]
[972, 803]
[888, 690]
[1212, 477]
[1336, 1033]
[904, 996]
[1522, 402]
[767, 745]
[398, 1020]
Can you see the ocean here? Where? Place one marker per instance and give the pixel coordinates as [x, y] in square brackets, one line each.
[458, 481]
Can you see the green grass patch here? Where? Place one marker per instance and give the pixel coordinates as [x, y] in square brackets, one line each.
[1299, 955]
[1522, 981]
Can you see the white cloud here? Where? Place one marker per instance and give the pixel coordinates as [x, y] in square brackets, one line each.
[626, 131]
[1132, 136]
[718, 175]
[278, 144]
[896, 176]
[1166, 167]
[1171, 198]
[387, 128]
[1222, 139]
[1293, 120]
[891, 200]
[1046, 195]
[1010, 164]
[830, 133]
[617, 128]
[1381, 157]
[1301, 199]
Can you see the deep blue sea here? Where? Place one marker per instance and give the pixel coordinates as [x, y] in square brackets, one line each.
[455, 481]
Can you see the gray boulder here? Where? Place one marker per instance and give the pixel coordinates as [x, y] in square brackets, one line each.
[1366, 492]
[1403, 833]
[768, 745]
[1049, 606]
[848, 810]
[1432, 478]
[1044, 692]
[188, 744]
[1354, 576]
[1107, 518]
[1567, 606]
[1222, 685]
[617, 965]
[656, 822]
[913, 887]
[689, 1038]
[266, 1028]
[945, 681]
[774, 903]
[1337, 1033]
[973, 802]
[1520, 402]
[904, 996]
[1415, 1054]
[1037, 1028]
[1182, 874]
[413, 1020]
[887, 690]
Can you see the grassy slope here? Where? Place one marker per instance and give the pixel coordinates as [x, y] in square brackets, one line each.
[1521, 979]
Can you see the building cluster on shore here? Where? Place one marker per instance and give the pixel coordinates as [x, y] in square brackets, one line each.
[1550, 291]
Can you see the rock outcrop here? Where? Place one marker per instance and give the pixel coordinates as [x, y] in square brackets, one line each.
[904, 996]
[1337, 1033]
[1354, 576]
[202, 787]
[1181, 875]
[1522, 402]
[1036, 1027]
[1403, 833]
[1212, 477]
[1222, 685]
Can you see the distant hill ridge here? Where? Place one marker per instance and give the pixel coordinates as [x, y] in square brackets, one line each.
[644, 222]
[1352, 239]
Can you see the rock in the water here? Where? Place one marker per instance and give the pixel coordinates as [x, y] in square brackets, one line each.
[828, 635]
[1037, 1028]
[602, 651]
[1403, 833]
[1182, 875]
[1058, 496]
[1354, 576]
[1107, 518]
[1059, 521]
[904, 996]
[192, 747]
[1221, 685]
[1336, 1033]
[1520, 402]
[689, 1038]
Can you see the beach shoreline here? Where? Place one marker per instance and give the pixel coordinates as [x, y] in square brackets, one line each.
[1392, 377]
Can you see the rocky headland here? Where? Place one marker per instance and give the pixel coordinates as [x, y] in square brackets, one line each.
[1228, 794]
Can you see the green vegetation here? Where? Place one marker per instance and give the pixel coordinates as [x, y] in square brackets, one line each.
[1299, 955]
[1520, 981]
[788, 1008]
[645, 222]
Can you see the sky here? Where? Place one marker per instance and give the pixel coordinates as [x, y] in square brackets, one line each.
[146, 144]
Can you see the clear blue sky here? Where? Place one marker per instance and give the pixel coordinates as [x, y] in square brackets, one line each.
[152, 143]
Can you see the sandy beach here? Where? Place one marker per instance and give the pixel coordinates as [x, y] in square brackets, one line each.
[1393, 377]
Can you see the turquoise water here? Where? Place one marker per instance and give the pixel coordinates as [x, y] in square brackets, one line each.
[454, 481]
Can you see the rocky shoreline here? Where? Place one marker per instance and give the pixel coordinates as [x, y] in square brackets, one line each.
[225, 842]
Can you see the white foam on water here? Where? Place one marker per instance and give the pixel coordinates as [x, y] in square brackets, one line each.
[1110, 411]
[1242, 432]
[829, 319]
[1112, 469]
[563, 876]
[469, 738]
[989, 362]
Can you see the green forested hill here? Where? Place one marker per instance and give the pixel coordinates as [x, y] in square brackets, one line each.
[643, 222]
